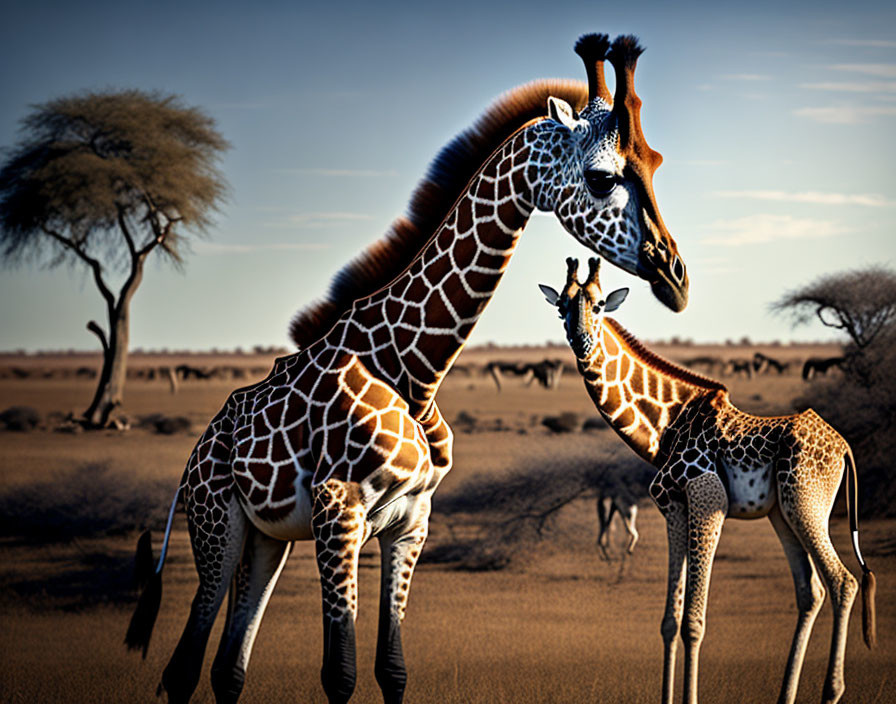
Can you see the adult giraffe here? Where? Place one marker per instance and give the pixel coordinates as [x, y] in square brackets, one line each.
[343, 440]
[714, 461]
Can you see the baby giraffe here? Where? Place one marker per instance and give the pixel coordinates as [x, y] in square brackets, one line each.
[714, 461]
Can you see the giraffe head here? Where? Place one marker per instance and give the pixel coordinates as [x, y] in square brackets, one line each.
[594, 170]
[582, 307]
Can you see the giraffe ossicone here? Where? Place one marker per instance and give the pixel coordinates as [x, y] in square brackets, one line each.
[715, 461]
[343, 441]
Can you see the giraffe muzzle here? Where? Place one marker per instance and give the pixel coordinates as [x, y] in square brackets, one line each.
[672, 295]
[663, 268]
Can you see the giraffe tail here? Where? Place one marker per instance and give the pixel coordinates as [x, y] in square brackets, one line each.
[149, 581]
[869, 583]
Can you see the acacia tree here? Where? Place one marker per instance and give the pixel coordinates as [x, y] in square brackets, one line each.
[861, 303]
[861, 405]
[103, 180]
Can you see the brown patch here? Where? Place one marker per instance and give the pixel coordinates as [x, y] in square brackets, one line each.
[279, 449]
[381, 336]
[376, 396]
[511, 218]
[260, 471]
[284, 485]
[437, 314]
[479, 282]
[626, 418]
[404, 337]
[243, 482]
[464, 220]
[611, 372]
[485, 190]
[411, 316]
[650, 410]
[610, 345]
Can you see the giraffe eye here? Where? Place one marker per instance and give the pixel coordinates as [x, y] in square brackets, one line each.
[600, 183]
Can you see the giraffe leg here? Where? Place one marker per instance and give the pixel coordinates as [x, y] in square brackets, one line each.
[809, 523]
[399, 557]
[338, 525]
[707, 508]
[677, 535]
[263, 560]
[217, 545]
[604, 516]
[809, 598]
[628, 520]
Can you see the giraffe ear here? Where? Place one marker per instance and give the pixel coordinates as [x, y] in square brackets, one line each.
[562, 112]
[615, 299]
[550, 295]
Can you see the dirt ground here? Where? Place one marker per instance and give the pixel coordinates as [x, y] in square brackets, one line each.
[557, 625]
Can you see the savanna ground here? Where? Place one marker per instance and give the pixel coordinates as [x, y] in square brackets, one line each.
[555, 624]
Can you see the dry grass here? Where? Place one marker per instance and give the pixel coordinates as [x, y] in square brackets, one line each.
[557, 625]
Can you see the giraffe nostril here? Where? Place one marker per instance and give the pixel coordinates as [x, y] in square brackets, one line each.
[678, 269]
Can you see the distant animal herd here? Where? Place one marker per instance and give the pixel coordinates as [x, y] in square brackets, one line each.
[546, 372]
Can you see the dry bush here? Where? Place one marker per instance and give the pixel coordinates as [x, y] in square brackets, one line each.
[595, 423]
[61, 519]
[165, 425]
[567, 422]
[492, 518]
[88, 502]
[20, 418]
[864, 414]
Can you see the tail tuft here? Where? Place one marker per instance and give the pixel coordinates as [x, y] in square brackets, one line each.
[144, 618]
[150, 582]
[869, 619]
[144, 563]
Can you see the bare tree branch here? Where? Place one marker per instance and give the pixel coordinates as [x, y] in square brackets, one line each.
[98, 331]
[95, 266]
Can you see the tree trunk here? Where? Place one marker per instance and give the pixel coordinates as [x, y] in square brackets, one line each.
[110, 389]
[109, 393]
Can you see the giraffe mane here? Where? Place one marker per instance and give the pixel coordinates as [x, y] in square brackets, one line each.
[661, 364]
[433, 199]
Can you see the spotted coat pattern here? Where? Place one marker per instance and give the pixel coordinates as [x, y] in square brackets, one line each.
[343, 440]
[714, 461]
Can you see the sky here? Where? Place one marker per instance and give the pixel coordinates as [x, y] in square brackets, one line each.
[776, 122]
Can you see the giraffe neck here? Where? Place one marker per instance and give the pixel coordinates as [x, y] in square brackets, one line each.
[639, 393]
[411, 331]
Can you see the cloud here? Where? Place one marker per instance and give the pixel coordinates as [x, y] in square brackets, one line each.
[241, 105]
[318, 220]
[846, 114]
[854, 87]
[745, 77]
[764, 227]
[702, 266]
[352, 173]
[234, 248]
[703, 162]
[879, 70]
[873, 200]
[873, 43]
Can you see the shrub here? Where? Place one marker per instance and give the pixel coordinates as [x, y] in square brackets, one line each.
[566, 422]
[20, 418]
[499, 516]
[865, 416]
[90, 501]
[166, 425]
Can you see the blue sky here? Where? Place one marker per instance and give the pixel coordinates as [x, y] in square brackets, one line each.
[776, 121]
